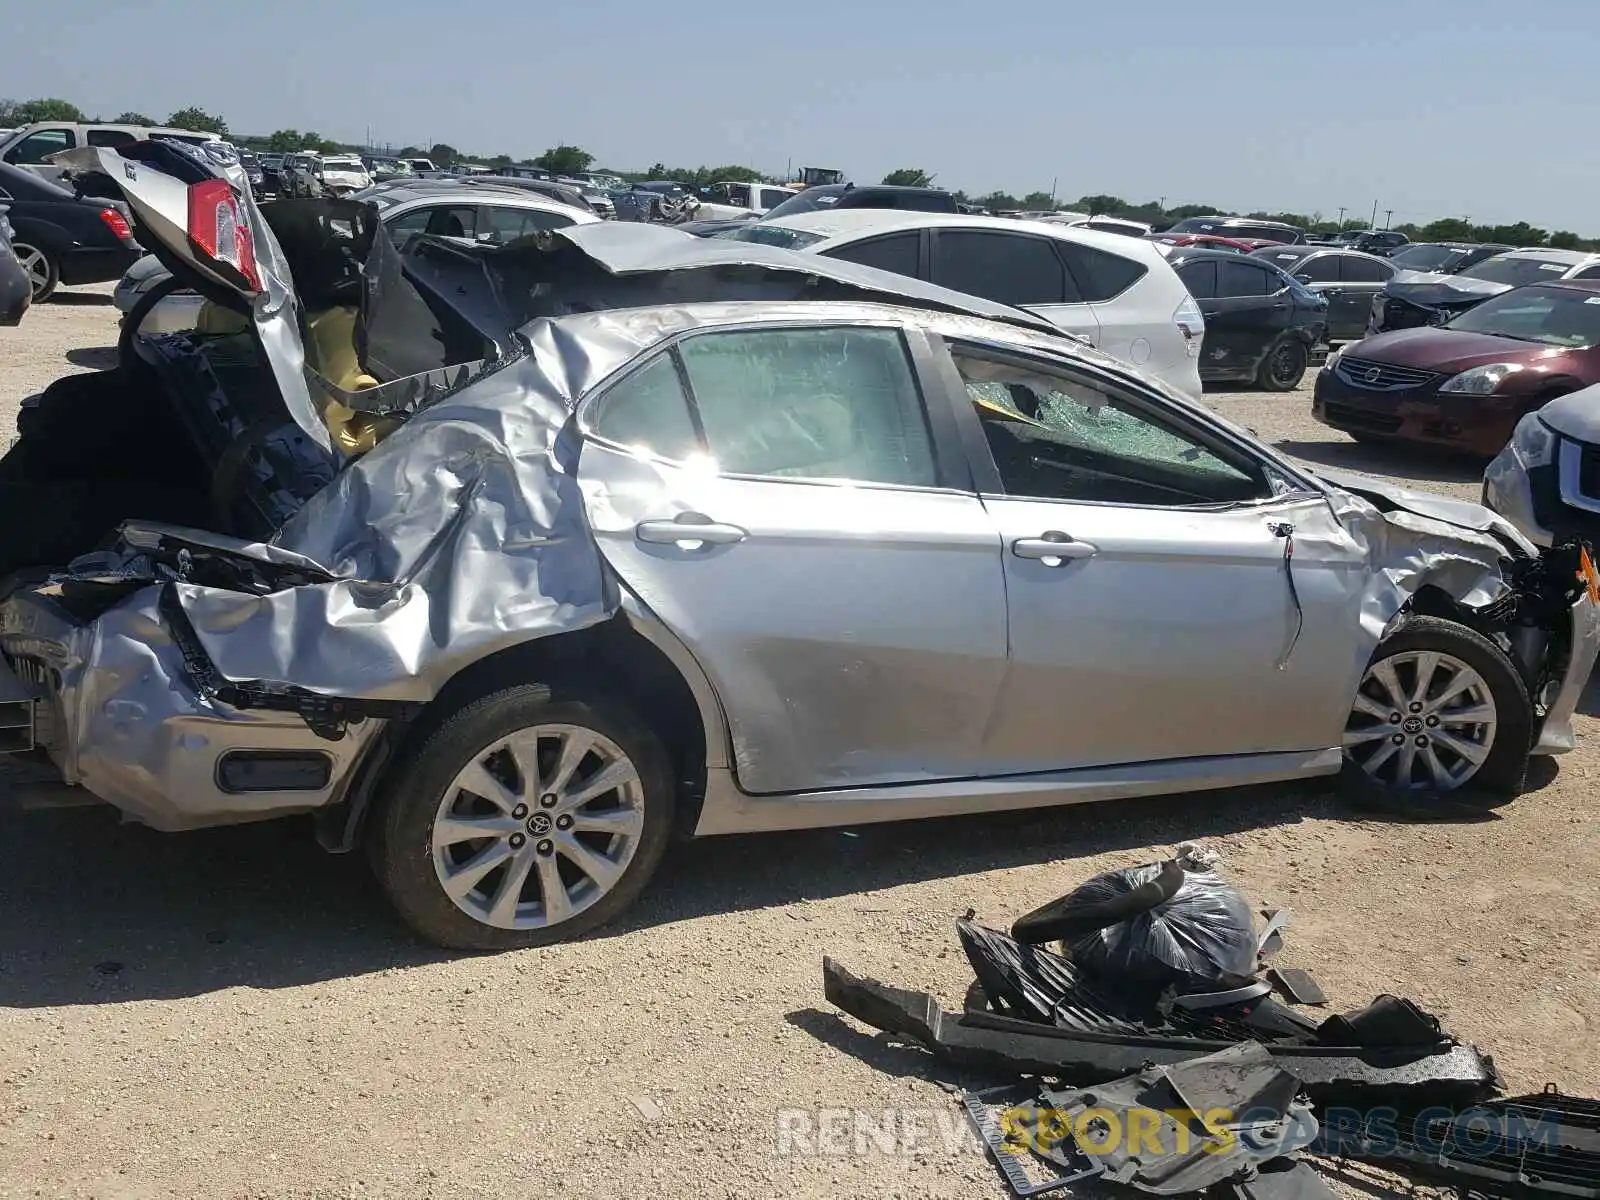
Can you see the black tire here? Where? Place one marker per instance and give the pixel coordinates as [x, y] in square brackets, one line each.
[43, 287]
[1501, 776]
[401, 834]
[1284, 366]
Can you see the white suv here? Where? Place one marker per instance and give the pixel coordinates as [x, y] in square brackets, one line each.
[1117, 292]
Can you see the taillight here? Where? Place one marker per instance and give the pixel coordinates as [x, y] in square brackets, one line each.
[117, 223]
[220, 230]
[1191, 324]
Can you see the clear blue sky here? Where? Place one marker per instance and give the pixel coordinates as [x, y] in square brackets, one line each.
[1432, 108]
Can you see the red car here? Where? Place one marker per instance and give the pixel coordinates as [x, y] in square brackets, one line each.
[1464, 385]
[1207, 241]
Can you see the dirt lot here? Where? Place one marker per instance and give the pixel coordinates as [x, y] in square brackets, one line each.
[234, 1014]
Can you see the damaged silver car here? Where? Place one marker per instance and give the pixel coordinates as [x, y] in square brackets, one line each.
[508, 562]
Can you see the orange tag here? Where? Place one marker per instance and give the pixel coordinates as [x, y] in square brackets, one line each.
[1588, 575]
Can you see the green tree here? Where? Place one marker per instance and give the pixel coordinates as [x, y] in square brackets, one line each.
[29, 111]
[198, 118]
[1451, 229]
[733, 174]
[499, 162]
[564, 160]
[134, 118]
[284, 141]
[442, 154]
[999, 201]
[1520, 234]
[409, 152]
[1038, 202]
[1184, 211]
[1097, 205]
[908, 177]
[1565, 239]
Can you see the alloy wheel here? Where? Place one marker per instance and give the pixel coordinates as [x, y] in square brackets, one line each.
[1285, 366]
[538, 827]
[36, 265]
[1423, 720]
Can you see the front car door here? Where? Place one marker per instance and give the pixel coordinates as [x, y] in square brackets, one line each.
[780, 499]
[1151, 615]
[1019, 269]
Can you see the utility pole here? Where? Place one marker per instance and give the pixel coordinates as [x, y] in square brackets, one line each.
[1388, 217]
[1056, 179]
[1341, 217]
[1373, 224]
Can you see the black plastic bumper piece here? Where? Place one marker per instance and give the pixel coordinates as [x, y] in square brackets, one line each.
[1448, 1074]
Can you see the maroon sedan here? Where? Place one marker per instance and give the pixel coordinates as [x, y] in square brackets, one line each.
[1462, 386]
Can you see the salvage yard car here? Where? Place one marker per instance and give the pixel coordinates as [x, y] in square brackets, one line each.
[62, 238]
[1431, 297]
[1117, 293]
[1464, 385]
[576, 542]
[1262, 325]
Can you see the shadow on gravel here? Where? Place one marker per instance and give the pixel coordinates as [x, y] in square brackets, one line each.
[98, 912]
[81, 299]
[94, 358]
[1405, 464]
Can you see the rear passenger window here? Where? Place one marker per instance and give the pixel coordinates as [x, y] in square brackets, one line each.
[1244, 279]
[1319, 268]
[1591, 273]
[110, 137]
[1008, 268]
[896, 252]
[1200, 278]
[1364, 270]
[811, 404]
[1100, 274]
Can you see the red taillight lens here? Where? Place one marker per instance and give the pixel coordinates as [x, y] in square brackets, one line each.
[221, 231]
[117, 223]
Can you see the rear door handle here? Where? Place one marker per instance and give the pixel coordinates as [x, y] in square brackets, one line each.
[689, 531]
[1053, 548]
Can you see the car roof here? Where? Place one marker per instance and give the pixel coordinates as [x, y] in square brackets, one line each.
[403, 198]
[836, 223]
[1185, 254]
[1571, 258]
[1574, 285]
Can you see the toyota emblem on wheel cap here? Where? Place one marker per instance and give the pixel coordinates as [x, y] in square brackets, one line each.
[539, 824]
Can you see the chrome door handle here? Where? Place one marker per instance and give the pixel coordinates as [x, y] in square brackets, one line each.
[688, 531]
[1053, 548]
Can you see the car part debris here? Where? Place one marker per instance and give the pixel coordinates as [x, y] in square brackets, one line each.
[1175, 923]
[1283, 1179]
[1171, 1130]
[1298, 985]
[1028, 1168]
[1005, 1046]
[1534, 1147]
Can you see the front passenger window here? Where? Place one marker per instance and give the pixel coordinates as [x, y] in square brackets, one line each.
[33, 149]
[1055, 437]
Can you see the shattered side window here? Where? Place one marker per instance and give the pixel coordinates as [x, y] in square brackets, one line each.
[1058, 438]
[811, 404]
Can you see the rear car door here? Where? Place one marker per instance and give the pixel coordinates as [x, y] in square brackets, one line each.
[780, 499]
[1251, 311]
[904, 253]
[1360, 279]
[1150, 612]
[1019, 269]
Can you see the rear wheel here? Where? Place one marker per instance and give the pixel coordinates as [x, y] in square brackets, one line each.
[43, 273]
[530, 816]
[1440, 711]
[1284, 366]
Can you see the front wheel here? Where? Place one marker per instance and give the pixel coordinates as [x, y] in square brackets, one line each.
[530, 816]
[1284, 366]
[1441, 710]
[42, 271]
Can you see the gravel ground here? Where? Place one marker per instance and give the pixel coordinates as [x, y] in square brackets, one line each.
[234, 1014]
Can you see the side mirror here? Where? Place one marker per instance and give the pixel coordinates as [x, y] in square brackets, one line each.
[1303, 278]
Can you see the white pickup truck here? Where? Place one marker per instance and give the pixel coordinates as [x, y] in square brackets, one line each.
[730, 201]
